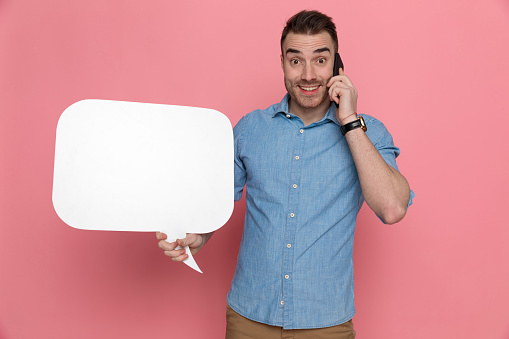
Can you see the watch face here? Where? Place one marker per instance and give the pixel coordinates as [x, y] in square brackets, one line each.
[363, 124]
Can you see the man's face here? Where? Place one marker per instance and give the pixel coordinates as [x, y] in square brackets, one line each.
[307, 62]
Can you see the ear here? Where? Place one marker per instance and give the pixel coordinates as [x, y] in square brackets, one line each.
[282, 61]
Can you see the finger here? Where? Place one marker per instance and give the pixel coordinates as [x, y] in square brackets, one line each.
[339, 79]
[337, 93]
[183, 242]
[177, 255]
[167, 246]
[341, 84]
[161, 236]
[334, 79]
[346, 80]
[337, 90]
[333, 96]
[191, 240]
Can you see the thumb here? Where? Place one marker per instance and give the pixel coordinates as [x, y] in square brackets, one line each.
[182, 242]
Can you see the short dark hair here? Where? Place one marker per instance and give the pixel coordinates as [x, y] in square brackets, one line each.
[310, 22]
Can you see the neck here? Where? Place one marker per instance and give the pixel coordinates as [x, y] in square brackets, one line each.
[309, 115]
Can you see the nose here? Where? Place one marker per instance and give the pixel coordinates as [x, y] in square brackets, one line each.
[308, 72]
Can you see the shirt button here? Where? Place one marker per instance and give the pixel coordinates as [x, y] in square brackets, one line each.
[294, 186]
[287, 276]
[288, 116]
[289, 245]
[292, 215]
[301, 131]
[282, 302]
[297, 157]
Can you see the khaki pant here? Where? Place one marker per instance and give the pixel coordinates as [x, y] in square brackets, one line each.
[238, 327]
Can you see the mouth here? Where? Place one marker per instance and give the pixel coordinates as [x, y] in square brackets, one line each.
[309, 90]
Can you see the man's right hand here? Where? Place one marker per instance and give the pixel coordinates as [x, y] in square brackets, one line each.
[194, 241]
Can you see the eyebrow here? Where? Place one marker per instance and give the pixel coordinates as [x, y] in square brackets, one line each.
[319, 50]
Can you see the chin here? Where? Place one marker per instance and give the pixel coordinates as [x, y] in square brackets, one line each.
[305, 102]
[308, 104]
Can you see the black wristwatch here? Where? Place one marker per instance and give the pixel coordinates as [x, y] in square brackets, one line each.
[353, 125]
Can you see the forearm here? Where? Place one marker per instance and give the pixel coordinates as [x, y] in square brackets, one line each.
[385, 190]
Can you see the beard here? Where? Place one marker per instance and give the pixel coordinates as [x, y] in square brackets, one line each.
[307, 101]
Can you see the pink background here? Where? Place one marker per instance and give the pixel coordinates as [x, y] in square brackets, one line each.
[435, 72]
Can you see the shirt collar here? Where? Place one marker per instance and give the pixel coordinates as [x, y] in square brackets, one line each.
[282, 107]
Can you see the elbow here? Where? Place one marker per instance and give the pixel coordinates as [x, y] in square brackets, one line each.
[393, 214]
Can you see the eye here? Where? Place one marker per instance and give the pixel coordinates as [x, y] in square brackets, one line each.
[321, 60]
[294, 61]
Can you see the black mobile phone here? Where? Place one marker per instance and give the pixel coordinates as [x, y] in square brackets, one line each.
[338, 63]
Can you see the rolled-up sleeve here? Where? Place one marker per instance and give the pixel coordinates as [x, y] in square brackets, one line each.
[240, 169]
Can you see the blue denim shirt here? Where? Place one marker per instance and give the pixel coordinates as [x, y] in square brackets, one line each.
[295, 264]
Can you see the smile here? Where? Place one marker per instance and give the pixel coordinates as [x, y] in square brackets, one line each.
[308, 90]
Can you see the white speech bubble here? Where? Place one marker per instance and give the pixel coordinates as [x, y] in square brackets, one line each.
[127, 166]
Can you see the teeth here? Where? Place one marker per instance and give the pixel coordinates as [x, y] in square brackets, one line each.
[309, 89]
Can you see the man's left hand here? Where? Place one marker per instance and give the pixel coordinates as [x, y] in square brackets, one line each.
[343, 92]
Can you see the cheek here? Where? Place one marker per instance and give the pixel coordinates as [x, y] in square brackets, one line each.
[292, 75]
[325, 74]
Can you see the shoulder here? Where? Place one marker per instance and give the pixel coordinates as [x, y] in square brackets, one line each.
[256, 117]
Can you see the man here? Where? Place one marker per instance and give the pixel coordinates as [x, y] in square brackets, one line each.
[307, 166]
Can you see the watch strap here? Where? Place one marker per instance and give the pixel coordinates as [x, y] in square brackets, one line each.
[353, 125]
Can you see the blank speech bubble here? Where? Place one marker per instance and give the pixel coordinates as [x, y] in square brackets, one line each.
[127, 166]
